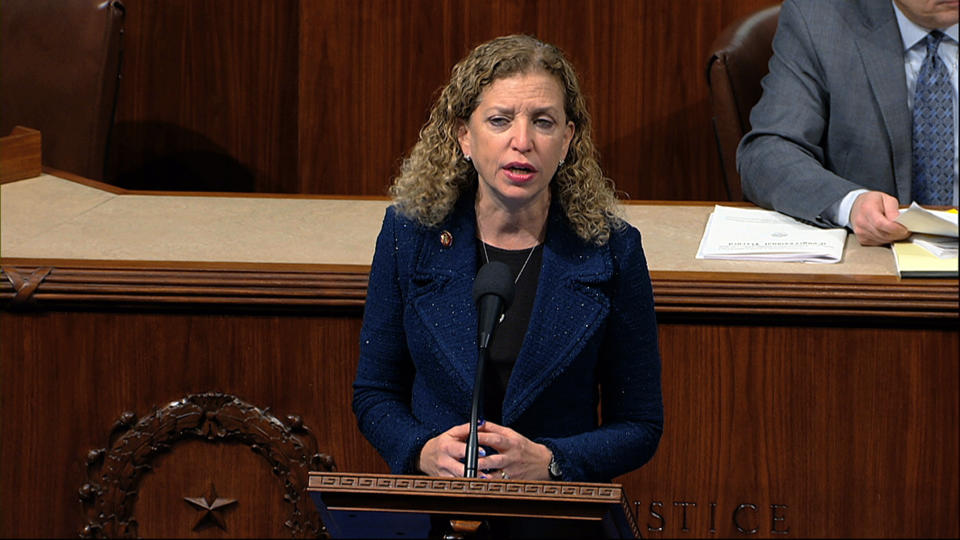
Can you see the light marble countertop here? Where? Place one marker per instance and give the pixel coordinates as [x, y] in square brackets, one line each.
[48, 217]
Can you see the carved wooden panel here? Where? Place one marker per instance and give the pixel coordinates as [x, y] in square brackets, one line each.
[67, 375]
[115, 472]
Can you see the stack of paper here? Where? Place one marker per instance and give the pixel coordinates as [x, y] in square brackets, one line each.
[748, 234]
[931, 251]
[943, 247]
[921, 220]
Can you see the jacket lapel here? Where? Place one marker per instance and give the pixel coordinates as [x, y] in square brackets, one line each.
[881, 50]
[568, 309]
[442, 295]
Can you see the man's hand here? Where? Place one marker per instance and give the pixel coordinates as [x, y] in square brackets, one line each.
[872, 219]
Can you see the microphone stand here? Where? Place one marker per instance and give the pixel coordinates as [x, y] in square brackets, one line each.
[492, 292]
[470, 467]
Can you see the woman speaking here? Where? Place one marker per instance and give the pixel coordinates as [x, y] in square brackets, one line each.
[505, 170]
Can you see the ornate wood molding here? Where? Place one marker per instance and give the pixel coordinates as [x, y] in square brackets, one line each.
[161, 287]
[678, 295]
[24, 285]
[114, 473]
[920, 299]
[426, 485]
[472, 497]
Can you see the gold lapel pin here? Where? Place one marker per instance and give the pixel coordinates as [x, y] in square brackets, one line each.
[446, 239]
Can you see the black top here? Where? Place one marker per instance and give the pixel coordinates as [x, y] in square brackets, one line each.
[508, 335]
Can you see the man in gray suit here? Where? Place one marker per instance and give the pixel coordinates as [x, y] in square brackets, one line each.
[832, 137]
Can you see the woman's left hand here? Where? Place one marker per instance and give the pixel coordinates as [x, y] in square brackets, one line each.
[518, 457]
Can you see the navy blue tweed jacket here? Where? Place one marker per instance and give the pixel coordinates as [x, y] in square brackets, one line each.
[591, 340]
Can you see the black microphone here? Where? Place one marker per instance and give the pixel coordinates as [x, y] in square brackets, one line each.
[493, 293]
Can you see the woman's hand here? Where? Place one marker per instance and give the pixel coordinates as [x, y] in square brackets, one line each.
[518, 457]
[443, 455]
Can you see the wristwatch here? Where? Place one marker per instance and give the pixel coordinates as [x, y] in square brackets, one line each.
[553, 469]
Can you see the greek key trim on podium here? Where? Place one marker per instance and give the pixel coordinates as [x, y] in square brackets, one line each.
[358, 483]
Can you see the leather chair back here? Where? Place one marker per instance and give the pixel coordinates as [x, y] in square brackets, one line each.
[59, 74]
[740, 60]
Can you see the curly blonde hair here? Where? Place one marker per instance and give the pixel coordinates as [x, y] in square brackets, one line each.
[435, 174]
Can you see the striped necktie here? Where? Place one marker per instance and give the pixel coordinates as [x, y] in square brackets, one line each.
[933, 129]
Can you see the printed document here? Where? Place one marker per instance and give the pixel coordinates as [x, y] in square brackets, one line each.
[931, 249]
[748, 234]
[921, 220]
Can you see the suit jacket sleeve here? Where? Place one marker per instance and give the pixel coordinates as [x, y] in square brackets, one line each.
[783, 162]
[382, 387]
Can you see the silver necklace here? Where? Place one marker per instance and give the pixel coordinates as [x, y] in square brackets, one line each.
[486, 258]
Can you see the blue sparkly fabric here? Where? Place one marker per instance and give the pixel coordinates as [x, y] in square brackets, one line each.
[592, 340]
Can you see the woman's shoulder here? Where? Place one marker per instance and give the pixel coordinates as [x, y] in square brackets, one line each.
[401, 222]
[399, 233]
[626, 249]
[409, 233]
[624, 237]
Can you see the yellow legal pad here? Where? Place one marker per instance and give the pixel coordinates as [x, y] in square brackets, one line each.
[915, 261]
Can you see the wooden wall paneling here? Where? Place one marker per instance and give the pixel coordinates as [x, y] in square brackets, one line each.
[368, 74]
[326, 97]
[59, 68]
[830, 418]
[841, 428]
[650, 99]
[68, 376]
[641, 66]
[208, 101]
[836, 425]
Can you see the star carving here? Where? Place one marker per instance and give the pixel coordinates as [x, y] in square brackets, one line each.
[210, 507]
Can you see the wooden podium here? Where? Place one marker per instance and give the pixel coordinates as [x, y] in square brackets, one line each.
[389, 506]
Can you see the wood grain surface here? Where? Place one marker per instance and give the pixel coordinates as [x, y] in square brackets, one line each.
[836, 418]
[326, 97]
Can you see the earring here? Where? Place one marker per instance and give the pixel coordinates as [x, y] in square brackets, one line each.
[560, 164]
[468, 158]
